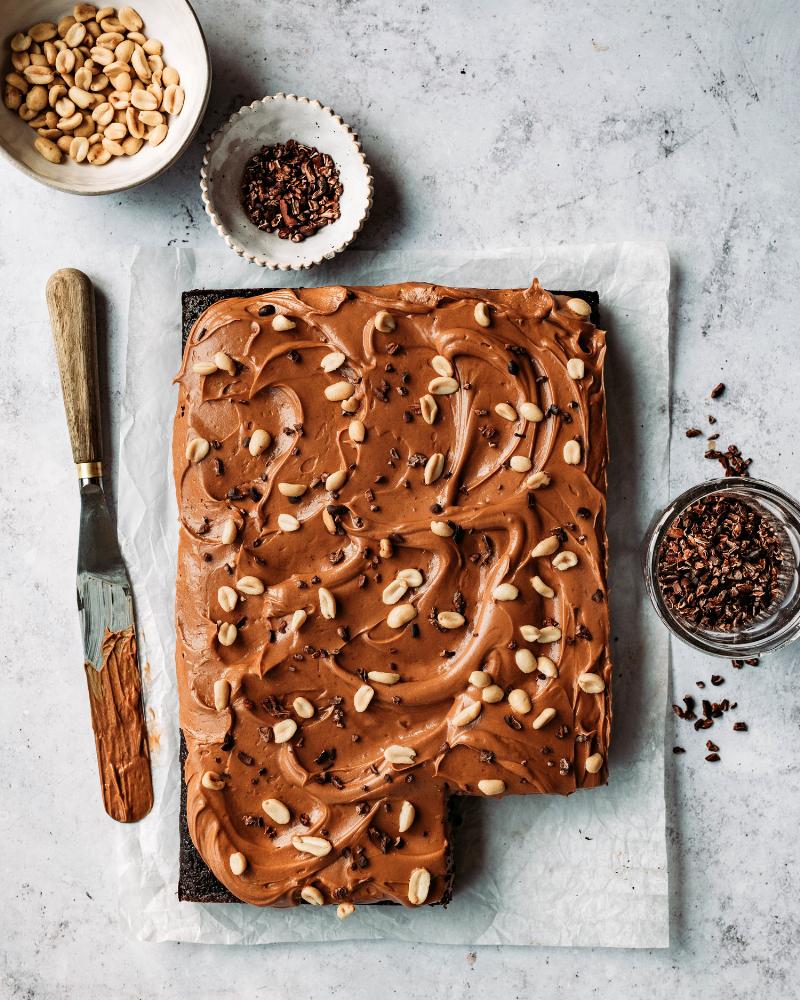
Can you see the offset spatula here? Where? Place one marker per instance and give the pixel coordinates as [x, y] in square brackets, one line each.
[104, 592]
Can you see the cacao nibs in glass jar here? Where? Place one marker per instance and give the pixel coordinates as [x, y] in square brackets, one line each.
[291, 189]
[720, 563]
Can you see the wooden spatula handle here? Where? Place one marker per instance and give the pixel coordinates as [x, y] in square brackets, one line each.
[70, 299]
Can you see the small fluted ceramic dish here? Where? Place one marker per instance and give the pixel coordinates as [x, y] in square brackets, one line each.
[175, 24]
[264, 123]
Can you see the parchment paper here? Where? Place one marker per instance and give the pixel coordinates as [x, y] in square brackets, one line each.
[590, 869]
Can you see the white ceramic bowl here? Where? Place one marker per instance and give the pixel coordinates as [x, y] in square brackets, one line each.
[263, 123]
[175, 24]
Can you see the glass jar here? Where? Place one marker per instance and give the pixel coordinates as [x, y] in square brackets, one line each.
[770, 631]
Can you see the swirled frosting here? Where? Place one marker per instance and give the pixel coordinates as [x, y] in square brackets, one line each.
[478, 693]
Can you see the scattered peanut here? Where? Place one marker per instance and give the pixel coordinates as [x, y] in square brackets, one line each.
[429, 408]
[311, 894]
[482, 315]
[434, 468]
[506, 411]
[260, 440]
[443, 385]
[468, 714]
[227, 634]
[363, 697]
[277, 811]
[542, 588]
[385, 322]
[591, 683]
[531, 412]
[594, 763]
[546, 547]
[519, 701]
[339, 391]
[284, 730]
[419, 885]
[227, 598]
[505, 592]
[576, 368]
[579, 307]
[198, 447]
[222, 694]
[213, 781]
[492, 786]
[401, 615]
[238, 863]
[525, 660]
[327, 604]
[564, 560]
[303, 708]
[545, 716]
[332, 361]
[492, 694]
[407, 815]
[298, 620]
[546, 667]
[399, 755]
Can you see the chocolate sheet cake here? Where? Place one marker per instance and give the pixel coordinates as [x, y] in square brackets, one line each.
[391, 581]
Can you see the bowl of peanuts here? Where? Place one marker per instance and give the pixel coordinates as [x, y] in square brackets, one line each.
[98, 99]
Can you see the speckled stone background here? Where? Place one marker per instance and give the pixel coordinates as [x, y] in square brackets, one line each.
[487, 124]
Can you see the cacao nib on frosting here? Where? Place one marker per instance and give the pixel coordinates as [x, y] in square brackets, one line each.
[391, 580]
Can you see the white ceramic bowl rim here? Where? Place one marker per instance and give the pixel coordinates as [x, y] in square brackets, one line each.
[263, 260]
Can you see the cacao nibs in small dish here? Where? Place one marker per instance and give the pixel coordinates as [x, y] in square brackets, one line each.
[291, 189]
[720, 564]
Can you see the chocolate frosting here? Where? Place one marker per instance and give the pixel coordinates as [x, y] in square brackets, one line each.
[123, 754]
[332, 774]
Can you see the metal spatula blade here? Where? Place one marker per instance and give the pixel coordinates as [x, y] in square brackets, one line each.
[104, 592]
[105, 602]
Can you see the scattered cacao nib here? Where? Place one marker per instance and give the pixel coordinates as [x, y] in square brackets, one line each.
[711, 746]
[381, 840]
[740, 727]
[718, 390]
[245, 758]
[717, 679]
[693, 432]
[291, 189]
[712, 757]
[731, 460]
[486, 757]
[273, 705]
[512, 722]
[720, 564]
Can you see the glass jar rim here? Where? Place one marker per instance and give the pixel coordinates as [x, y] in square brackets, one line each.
[735, 645]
